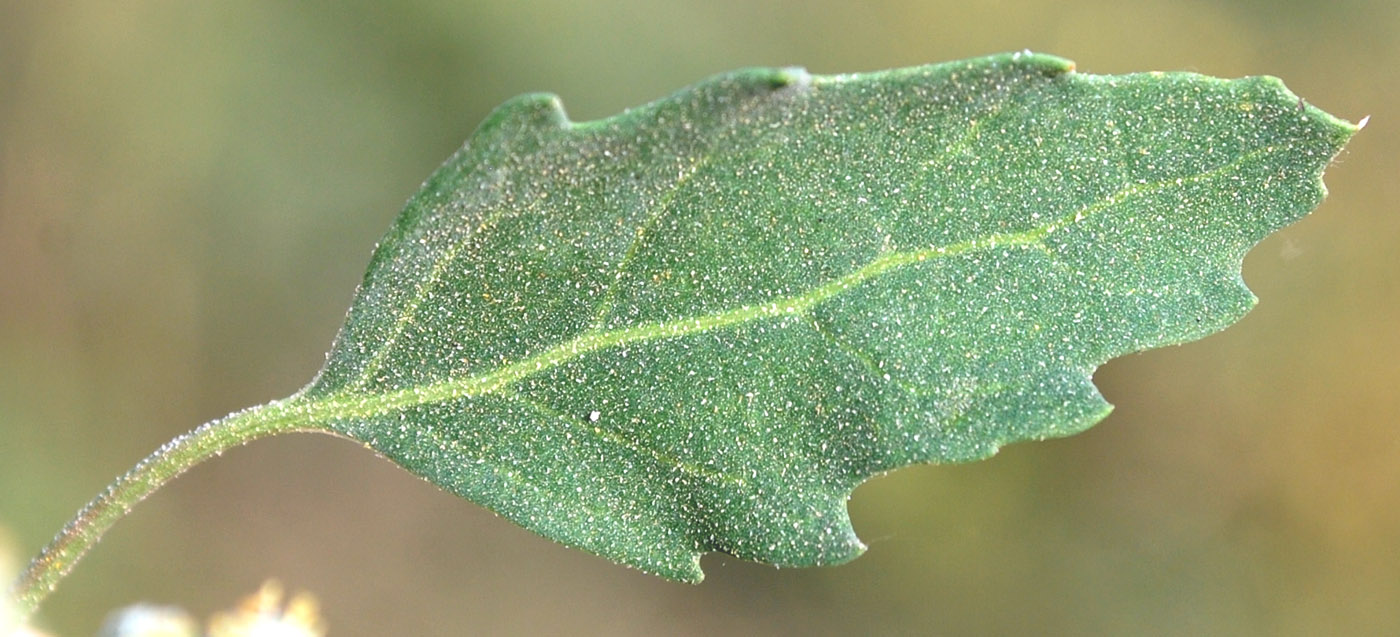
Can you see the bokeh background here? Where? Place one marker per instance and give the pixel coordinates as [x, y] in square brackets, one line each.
[189, 193]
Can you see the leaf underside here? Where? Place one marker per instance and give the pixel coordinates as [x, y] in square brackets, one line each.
[698, 325]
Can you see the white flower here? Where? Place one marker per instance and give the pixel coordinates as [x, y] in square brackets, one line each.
[262, 615]
[149, 620]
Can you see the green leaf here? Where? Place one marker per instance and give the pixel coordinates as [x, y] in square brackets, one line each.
[698, 325]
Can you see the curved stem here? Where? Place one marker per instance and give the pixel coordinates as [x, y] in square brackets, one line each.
[175, 457]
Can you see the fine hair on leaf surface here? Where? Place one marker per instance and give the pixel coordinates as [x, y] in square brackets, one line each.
[697, 325]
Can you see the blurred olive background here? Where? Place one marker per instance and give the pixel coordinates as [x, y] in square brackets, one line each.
[189, 193]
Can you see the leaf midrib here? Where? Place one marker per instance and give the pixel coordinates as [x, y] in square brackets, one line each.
[424, 289]
[350, 403]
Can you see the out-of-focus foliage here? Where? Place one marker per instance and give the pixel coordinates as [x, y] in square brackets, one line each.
[1246, 483]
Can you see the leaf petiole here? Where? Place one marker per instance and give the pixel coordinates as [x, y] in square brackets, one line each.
[173, 458]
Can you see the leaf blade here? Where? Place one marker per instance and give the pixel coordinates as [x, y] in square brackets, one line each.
[698, 325]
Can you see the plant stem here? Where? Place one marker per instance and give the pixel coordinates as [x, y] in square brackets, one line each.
[175, 457]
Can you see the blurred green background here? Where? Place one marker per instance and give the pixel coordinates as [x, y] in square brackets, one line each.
[189, 193]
